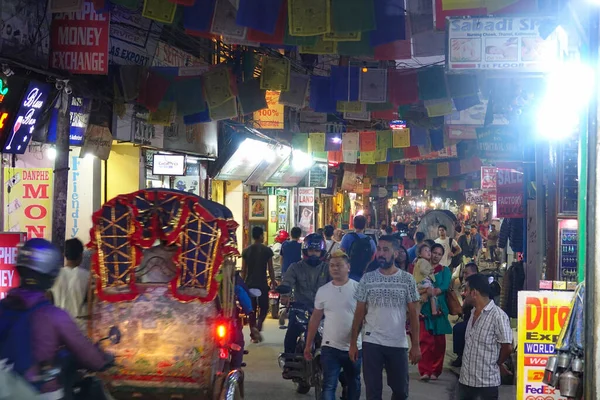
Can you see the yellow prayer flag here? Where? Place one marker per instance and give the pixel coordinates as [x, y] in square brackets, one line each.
[367, 157]
[350, 106]
[275, 74]
[316, 142]
[401, 138]
[343, 36]
[448, 5]
[382, 170]
[309, 17]
[438, 108]
[320, 47]
[159, 10]
[443, 169]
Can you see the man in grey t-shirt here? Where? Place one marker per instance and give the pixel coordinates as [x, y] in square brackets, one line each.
[383, 298]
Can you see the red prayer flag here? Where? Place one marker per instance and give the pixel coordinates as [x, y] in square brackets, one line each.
[368, 141]
[398, 50]
[402, 87]
[421, 171]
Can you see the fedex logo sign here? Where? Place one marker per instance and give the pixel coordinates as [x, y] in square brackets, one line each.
[539, 389]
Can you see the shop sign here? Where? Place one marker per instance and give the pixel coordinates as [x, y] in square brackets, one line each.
[499, 143]
[488, 177]
[80, 200]
[79, 41]
[306, 210]
[28, 201]
[509, 192]
[400, 190]
[133, 38]
[317, 175]
[272, 116]
[474, 196]
[169, 56]
[282, 208]
[473, 117]
[9, 278]
[26, 118]
[98, 141]
[508, 43]
[198, 139]
[146, 134]
[80, 116]
[542, 315]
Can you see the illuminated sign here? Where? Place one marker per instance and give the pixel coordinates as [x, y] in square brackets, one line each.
[8, 255]
[3, 90]
[26, 118]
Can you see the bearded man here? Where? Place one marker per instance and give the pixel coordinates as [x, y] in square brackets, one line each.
[383, 298]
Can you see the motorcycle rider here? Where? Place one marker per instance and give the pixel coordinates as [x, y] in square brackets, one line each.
[38, 264]
[305, 278]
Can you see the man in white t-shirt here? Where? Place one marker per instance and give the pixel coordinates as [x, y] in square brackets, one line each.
[336, 302]
[70, 289]
[444, 240]
[383, 298]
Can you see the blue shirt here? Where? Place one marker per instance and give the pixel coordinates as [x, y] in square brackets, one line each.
[349, 239]
[291, 251]
[412, 254]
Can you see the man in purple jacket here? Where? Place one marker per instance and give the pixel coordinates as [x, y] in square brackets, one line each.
[38, 264]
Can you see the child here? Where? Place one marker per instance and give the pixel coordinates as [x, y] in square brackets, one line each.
[423, 273]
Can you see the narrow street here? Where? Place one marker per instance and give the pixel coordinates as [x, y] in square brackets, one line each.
[264, 382]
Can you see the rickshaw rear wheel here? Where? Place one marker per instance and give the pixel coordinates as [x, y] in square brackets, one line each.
[303, 388]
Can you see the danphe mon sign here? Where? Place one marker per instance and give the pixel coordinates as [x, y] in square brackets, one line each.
[509, 43]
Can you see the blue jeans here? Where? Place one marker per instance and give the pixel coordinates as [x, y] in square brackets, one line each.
[395, 361]
[332, 362]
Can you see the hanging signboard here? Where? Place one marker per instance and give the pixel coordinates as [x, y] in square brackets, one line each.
[317, 176]
[133, 38]
[79, 41]
[28, 201]
[9, 278]
[306, 210]
[26, 118]
[80, 115]
[272, 116]
[474, 196]
[509, 43]
[488, 177]
[542, 315]
[509, 192]
[499, 143]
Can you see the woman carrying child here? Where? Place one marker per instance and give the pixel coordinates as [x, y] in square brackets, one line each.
[434, 325]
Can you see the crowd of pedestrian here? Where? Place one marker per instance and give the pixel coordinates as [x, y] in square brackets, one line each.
[384, 306]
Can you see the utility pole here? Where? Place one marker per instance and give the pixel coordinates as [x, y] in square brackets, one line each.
[61, 170]
[592, 216]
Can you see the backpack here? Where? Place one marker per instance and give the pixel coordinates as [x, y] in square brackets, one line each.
[360, 254]
[15, 334]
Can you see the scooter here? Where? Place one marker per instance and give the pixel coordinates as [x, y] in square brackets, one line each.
[304, 373]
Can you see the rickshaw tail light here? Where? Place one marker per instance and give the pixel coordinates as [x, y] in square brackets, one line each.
[221, 331]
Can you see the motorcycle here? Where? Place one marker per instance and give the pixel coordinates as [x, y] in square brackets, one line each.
[304, 373]
[274, 301]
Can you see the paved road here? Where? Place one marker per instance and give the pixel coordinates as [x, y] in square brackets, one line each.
[264, 382]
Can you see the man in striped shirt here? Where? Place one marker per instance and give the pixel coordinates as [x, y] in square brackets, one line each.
[488, 343]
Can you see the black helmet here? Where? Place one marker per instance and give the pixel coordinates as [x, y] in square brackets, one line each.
[38, 263]
[313, 241]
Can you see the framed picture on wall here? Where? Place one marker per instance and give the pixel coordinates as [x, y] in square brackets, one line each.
[258, 207]
[263, 225]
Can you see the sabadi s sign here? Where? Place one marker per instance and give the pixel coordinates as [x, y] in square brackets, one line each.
[509, 43]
